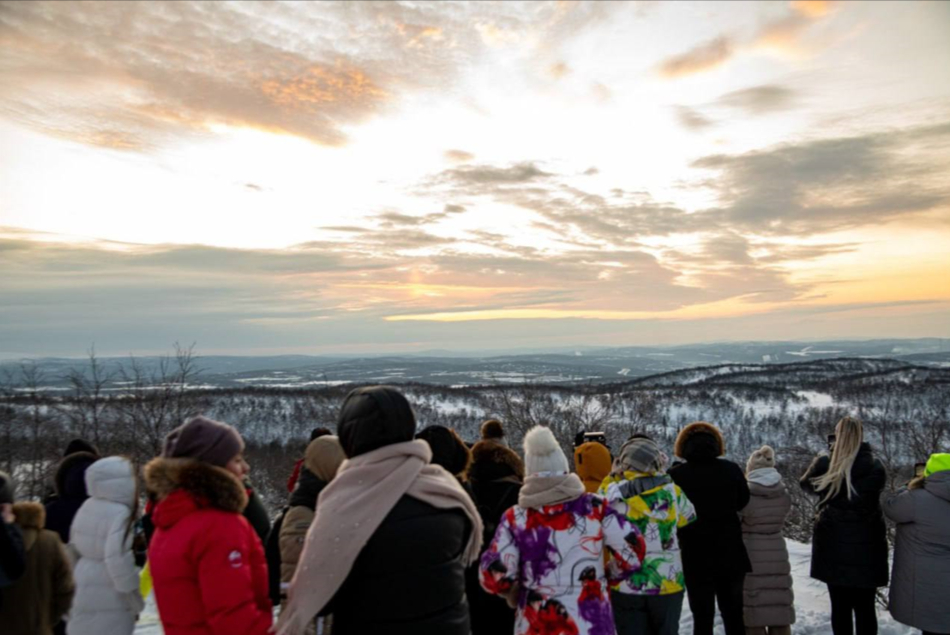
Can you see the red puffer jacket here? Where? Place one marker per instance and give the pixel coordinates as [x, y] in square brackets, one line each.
[207, 564]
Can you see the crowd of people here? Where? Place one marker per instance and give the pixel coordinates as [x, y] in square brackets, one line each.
[390, 529]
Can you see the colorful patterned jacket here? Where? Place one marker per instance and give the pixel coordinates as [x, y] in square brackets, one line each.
[553, 560]
[657, 507]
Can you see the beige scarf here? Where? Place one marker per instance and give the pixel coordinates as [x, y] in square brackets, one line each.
[350, 510]
[539, 490]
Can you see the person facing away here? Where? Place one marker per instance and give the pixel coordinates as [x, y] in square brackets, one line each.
[920, 584]
[43, 594]
[549, 551]
[315, 434]
[768, 597]
[448, 450]
[392, 534]
[650, 600]
[495, 478]
[69, 487]
[107, 583]
[12, 555]
[715, 561]
[321, 462]
[592, 463]
[849, 546]
[206, 561]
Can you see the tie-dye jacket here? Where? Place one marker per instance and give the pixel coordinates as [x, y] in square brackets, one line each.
[553, 560]
[658, 508]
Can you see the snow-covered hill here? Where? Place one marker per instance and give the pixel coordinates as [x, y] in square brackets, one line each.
[811, 604]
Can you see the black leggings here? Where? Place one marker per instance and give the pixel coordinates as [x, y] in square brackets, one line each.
[852, 608]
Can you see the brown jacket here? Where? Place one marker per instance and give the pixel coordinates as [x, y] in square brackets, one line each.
[292, 534]
[44, 594]
[768, 597]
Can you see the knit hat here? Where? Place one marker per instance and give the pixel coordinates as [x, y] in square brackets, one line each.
[324, 456]
[7, 489]
[639, 454]
[937, 463]
[374, 417]
[761, 458]
[203, 439]
[542, 453]
[448, 450]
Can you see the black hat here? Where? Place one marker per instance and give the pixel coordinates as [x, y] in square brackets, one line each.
[374, 417]
[7, 489]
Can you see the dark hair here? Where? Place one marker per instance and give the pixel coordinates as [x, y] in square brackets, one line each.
[448, 450]
[374, 417]
[316, 433]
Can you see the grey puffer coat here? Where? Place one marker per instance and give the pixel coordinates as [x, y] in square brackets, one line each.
[920, 586]
[768, 598]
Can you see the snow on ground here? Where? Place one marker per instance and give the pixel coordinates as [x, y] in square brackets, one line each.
[811, 605]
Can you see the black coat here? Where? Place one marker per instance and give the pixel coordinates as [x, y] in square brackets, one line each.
[849, 547]
[495, 478]
[71, 493]
[257, 515]
[12, 555]
[712, 545]
[409, 578]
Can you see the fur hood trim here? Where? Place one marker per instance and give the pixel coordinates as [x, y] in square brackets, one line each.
[210, 485]
[29, 515]
[690, 432]
[491, 453]
[68, 464]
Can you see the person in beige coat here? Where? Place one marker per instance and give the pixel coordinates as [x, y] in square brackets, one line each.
[322, 460]
[42, 596]
[767, 597]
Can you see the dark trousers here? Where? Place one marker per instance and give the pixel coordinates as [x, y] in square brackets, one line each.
[703, 596]
[647, 614]
[852, 609]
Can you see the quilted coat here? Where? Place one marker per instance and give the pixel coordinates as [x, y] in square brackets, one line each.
[207, 562]
[768, 596]
[550, 561]
[920, 589]
[107, 583]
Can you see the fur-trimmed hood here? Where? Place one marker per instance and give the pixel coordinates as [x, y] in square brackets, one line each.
[209, 485]
[29, 515]
[699, 440]
[70, 479]
[492, 461]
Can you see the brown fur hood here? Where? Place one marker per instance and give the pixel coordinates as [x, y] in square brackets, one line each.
[699, 440]
[212, 486]
[492, 460]
[29, 515]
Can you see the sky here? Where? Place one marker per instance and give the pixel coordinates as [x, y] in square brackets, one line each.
[375, 178]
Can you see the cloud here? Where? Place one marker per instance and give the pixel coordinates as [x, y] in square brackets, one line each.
[812, 8]
[692, 119]
[759, 100]
[458, 156]
[485, 175]
[832, 184]
[704, 57]
[558, 70]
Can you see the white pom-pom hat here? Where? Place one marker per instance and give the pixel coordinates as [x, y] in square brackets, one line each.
[764, 457]
[542, 452]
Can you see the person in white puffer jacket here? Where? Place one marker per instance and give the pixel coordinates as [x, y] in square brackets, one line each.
[108, 601]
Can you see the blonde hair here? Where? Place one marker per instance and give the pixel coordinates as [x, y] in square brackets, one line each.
[849, 434]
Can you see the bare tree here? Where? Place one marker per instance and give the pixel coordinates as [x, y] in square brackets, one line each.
[87, 411]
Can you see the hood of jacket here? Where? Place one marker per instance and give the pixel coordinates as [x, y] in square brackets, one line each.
[112, 479]
[633, 484]
[764, 477]
[309, 486]
[699, 441]
[183, 486]
[938, 484]
[592, 462]
[31, 518]
[492, 461]
[70, 479]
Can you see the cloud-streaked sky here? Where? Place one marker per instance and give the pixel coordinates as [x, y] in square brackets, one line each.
[382, 177]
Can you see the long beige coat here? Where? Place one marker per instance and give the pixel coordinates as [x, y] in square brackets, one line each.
[768, 598]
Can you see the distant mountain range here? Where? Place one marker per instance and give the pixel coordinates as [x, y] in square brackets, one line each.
[581, 365]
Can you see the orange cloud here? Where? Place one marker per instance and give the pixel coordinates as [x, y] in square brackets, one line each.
[812, 8]
[701, 58]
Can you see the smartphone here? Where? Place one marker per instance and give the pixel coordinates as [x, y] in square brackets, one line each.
[919, 469]
[599, 437]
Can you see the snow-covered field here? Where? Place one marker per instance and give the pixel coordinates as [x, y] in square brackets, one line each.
[811, 605]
